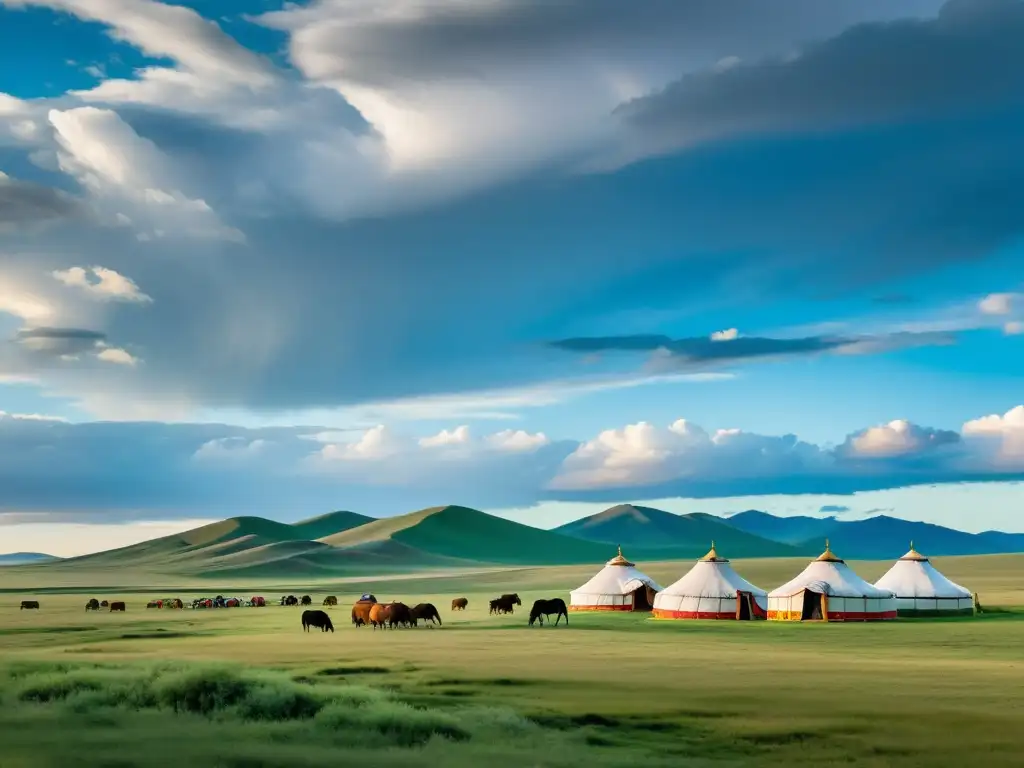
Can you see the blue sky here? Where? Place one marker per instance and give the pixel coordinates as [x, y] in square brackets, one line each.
[282, 258]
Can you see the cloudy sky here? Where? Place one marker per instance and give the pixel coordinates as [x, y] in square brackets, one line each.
[280, 258]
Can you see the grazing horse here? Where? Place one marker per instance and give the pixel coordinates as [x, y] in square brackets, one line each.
[118, 606]
[379, 614]
[542, 608]
[306, 600]
[316, 619]
[505, 604]
[29, 605]
[330, 601]
[459, 604]
[361, 612]
[425, 612]
[92, 605]
[399, 614]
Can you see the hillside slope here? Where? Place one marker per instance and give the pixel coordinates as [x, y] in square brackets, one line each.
[25, 558]
[649, 529]
[788, 530]
[331, 523]
[464, 533]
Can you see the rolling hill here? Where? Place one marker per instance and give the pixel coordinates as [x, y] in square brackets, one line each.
[881, 537]
[648, 529]
[464, 533]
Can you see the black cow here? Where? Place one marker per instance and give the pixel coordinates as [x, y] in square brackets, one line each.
[306, 600]
[29, 605]
[92, 605]
[291, 600]
[316, 619]
[118, 606]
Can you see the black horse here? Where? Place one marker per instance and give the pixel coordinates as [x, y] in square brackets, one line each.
[426, 612]
[542, 608]
[316, 619]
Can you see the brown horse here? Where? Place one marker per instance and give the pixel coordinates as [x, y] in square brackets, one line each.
[459, 604]
[379, 615]
[426, 612]
[361, 612]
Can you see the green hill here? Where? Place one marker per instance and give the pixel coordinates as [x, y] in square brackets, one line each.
[646, 529]
[331, 523]
[469, 534]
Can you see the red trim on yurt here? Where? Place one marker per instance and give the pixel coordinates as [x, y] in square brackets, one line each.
[661, 613]
[757, 610]
[600, 607]
[835, 616]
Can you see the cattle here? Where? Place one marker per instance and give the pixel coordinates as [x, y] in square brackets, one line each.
[104, 603]
[29, 605]
[258, 602]
[174, 603]
[330, 601]
[400, 614]
[425, 612]
[117, 606]
[232, 602]
[542, 608]
[379, 615]
[92, 605]
[291, 600]
[316, 619]
[306, 600]
[361, 612]
[505, 604]
[459, 604]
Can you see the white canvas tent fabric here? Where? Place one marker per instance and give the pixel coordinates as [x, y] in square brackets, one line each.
[921, 590]
[710, 590]
[614, 588]
[829, 590]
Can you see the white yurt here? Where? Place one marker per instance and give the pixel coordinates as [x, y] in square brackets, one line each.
[829, 590]
[922, 591]
[711, 590]
[619, 586]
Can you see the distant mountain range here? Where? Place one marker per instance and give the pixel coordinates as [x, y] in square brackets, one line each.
[25, 558]
[346, 543]
[874, 538]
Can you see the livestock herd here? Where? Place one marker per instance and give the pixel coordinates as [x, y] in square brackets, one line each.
[366, 611]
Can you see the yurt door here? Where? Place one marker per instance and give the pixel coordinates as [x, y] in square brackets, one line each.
[743, 607]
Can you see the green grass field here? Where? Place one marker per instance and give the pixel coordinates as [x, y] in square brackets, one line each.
[246, 687]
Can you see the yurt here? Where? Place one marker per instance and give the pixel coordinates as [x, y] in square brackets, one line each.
[619, 586]
[829, 590]
[922, 591]
[711, 590]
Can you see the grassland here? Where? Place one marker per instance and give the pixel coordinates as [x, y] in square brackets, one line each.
[246, 687]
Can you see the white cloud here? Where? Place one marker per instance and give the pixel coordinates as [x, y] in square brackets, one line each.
[1014, 328]
[230, 449]
[14, 300]
[727, 335]
[119, 168]
[454, 437]
[117, 356]
[1006, 432]
[998, 303]
[517, 440]
[897, 438]
[110, 285]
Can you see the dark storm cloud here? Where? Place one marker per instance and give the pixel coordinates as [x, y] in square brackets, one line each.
[967, 59]
[24, 202]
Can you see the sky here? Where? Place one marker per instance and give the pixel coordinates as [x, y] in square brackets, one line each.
[538, 258]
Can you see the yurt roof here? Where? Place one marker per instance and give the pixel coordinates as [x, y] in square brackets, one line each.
[618, 577]
[712, 576]
[914, 576]
[829, 574]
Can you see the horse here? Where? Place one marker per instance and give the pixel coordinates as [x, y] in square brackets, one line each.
[505, 604]
[425, 612]
[316, 619]
[92, 605]
[379, 615]
[29, 605]
[361, 612]
[399, 614]
[459, 604]
[542, 608]
[330, 601]
[118, 606]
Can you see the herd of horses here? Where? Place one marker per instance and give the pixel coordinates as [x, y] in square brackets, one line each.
[366, 611]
